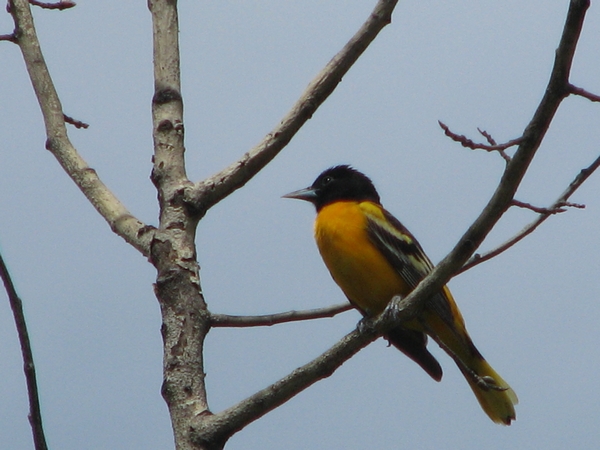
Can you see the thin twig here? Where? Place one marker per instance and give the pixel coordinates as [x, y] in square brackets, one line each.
[492, 142]
[217, 428]
[62, 4]
[224, 320]
[35, 415]
[583, 93]
[9, 37]
[556, 91]
[207, 193]
[537, 209]
[544, 214]
[121, 221]
[487, 136]
[491, 147]
[76, 123]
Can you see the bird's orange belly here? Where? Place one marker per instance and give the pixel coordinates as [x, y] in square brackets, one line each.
[360, 270]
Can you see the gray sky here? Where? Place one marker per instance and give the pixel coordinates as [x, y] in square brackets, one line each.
[94, 321]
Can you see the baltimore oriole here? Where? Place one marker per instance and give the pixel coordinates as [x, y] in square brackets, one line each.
[373, 257]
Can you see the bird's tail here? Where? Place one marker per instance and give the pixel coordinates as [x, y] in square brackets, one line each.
[414, 345]
[495, 396]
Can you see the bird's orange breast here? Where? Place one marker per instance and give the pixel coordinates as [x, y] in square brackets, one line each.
[355, 264]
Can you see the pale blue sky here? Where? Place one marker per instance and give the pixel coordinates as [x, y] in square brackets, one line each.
[94, 321]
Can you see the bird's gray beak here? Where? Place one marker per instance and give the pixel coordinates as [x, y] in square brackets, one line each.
[309, 194]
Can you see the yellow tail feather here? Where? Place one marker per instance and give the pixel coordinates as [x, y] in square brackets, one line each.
[495, 396]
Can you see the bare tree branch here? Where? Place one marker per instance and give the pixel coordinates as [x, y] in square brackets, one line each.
[557, 206]
[185, 319]
[493, 142]
[62, 4]
[171, 248]
[214, 430]
[8, 37]
[35, 414]
[537, 209]
[487, 136]
[583, 93]
[558, 88]
[76, 123]
[224, 320]
[492, 146]
[210, 191]
[120, 220]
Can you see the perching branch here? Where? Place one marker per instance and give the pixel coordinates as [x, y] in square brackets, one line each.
[544, 213]
[557, 90]
[35, 415]
[224, 320]
[185, 319]
[208, 192]
[120, 220]
[216, 429]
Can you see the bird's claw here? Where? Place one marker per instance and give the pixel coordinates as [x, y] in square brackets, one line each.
[395, 309]
[365, 325]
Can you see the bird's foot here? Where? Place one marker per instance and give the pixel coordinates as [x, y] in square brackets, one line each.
[366, 325]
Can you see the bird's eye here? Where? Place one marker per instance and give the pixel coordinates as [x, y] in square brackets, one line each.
[328, 179]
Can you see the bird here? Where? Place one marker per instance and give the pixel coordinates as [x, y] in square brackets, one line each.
[373, 257]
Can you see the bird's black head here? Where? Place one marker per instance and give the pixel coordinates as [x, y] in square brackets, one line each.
[335, 184]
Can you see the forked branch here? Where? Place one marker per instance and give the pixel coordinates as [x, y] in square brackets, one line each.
[583, 93]
[557, 90]
[212, 431]
[558, 206]
[210, 191]
[9, 37]
[491, 146]
[121, 221]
